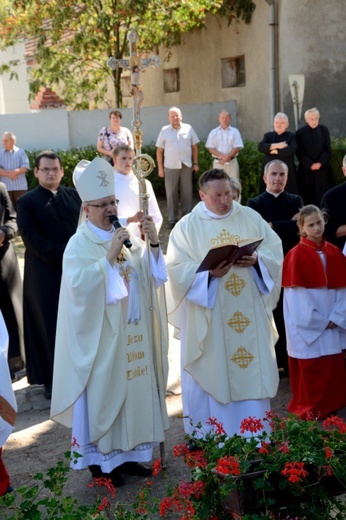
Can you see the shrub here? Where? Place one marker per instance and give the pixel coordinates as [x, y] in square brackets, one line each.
[250, 165]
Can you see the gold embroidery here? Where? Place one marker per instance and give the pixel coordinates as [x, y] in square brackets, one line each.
[224, 238]
[239, 322]
[242, 357]
[235, 284]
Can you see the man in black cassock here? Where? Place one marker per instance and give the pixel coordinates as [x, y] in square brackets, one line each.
[280, 144]
[11, 288]
[47, 218]
[280, 209]
[313, 152]
[334, 204]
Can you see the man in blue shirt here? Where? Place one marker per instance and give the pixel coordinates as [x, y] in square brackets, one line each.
[14, 164]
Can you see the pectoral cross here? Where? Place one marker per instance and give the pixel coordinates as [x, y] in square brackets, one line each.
[125, 272]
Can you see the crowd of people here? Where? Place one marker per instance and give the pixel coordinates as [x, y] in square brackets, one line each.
[90, 320]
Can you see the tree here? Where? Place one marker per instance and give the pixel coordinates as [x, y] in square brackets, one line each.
[74, 39]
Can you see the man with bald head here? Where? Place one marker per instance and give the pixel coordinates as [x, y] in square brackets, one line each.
[14, 164]
[224, 143]
[280, 209]
[177, 158]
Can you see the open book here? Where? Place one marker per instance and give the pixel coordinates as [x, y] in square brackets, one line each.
[229, 253]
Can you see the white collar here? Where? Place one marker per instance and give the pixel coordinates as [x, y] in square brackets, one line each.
[214, 215]
[101, 233]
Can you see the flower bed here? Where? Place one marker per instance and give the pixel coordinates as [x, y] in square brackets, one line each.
[287, 468]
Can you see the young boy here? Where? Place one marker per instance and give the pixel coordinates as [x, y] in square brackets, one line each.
[127, 192]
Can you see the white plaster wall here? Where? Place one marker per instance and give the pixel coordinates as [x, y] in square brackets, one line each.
[39, 130]
[60, 129]
[313, 42]
[14, 93]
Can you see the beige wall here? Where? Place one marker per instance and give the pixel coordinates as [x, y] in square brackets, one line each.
[199, 61]
[313, 43]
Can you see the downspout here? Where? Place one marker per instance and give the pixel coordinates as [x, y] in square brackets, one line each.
[272, 60]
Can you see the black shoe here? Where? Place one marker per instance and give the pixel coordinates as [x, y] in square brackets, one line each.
[172, 224]
[117, 480]
[48, 391]
[134, 468]
[10, 489]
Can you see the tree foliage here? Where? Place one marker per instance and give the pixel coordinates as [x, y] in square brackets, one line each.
[74, 39]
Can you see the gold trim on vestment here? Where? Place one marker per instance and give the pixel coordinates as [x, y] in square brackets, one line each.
[242, 357]
[235, 284]
[225, 237]
[239, 322]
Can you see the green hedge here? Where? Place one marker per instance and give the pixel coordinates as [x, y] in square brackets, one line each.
[250, 163]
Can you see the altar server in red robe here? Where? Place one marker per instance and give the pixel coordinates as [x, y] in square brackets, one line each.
[314, 281]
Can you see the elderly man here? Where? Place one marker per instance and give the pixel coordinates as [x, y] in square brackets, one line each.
[334, 204]
[313, 152]
[224, 315]
[224, 143]
[47, 218]
[177, 158]
[280, 209]
[14, 164]
[280, 144]
[110, 367]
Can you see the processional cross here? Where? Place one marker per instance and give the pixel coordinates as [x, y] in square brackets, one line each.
[143, 164]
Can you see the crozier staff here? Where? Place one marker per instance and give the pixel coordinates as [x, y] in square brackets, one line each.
[107, 351]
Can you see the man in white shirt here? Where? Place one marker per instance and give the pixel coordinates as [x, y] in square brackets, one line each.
[224, 143]
[177, 158]
[127, 192]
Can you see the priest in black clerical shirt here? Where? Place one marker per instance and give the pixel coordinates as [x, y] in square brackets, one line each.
[280, 144]
[280, 209]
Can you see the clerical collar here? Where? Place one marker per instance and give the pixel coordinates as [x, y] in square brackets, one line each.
[101, 233]
[214, 215]
[276, 195]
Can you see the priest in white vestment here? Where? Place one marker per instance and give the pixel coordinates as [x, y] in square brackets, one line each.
[127, 191]
[224, 316]
[110, 368]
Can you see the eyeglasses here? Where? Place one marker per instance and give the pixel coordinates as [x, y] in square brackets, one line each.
[112, 204]
[47, 170]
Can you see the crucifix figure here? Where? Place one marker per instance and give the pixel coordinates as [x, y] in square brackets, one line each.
[135, 64]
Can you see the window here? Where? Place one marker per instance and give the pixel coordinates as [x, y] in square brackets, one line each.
[233, 72]
[171, 80]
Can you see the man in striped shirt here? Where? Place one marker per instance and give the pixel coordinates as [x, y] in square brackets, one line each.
[14, 164]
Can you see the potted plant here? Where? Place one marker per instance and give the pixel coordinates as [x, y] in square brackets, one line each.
[282, 468]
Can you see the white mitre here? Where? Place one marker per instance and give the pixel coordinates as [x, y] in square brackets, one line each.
[94, 180]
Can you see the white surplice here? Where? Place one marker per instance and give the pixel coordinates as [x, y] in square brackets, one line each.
[127, 192]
